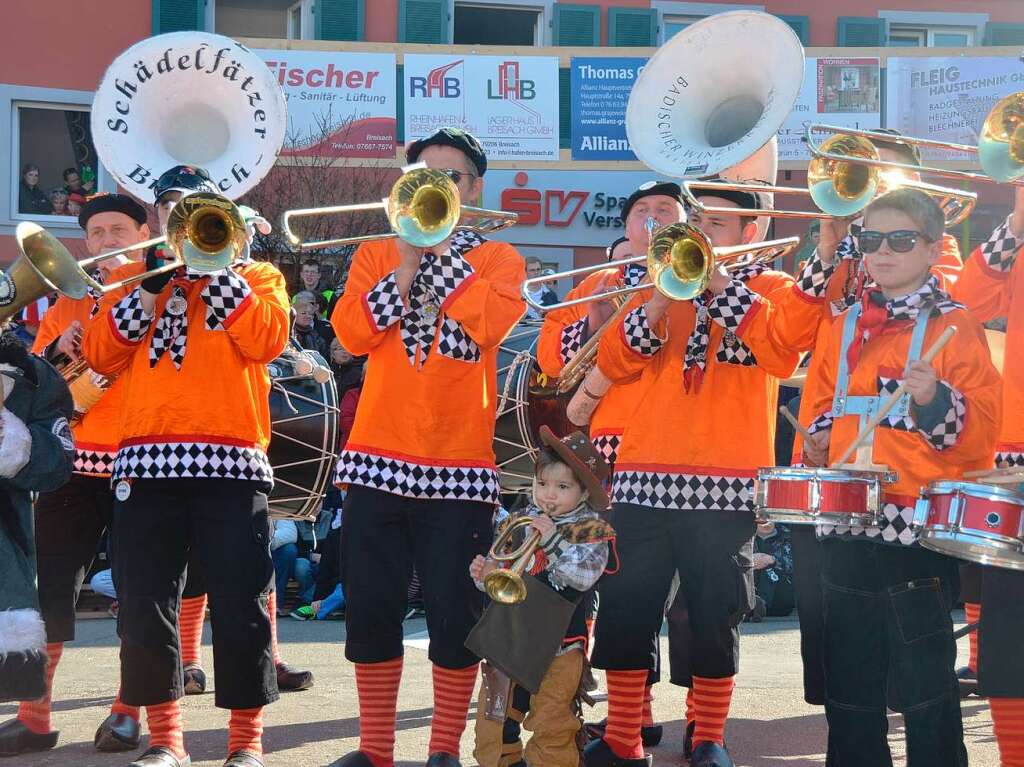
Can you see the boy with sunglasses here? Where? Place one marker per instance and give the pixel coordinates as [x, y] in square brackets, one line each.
[887, 600]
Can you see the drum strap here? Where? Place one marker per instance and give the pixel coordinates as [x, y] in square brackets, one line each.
[862, 405]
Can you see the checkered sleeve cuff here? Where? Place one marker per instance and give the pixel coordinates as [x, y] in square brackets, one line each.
[572, 339]
[225, 295]
[639, 334]
[129, 319]
[446, 274]
[942, 421]
[814, 277]
[731, 307]
[384, 303]
[1000, 251]
[821, 423]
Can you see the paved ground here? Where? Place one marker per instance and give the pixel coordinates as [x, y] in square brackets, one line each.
[770, 724]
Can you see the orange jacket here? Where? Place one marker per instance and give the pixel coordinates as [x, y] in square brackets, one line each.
[992, 285]
[211, 417]
[699, 447]
[845, 287]
[963, 435]
[425, 423]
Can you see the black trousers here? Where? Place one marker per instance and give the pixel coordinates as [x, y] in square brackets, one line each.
[155, 529]
[810, 608]
[712, 552]
[69, 523]
[887, 623]
[1000, 668]
[382, 537]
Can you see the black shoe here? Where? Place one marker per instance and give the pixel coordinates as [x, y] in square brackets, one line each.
[651, 736]
[599, 754]
[441, 759]
[968, 682]
[161, 757]
[119, 732]
[688, 740]
[354, 759]
[16, 738]
[243, 759]
[708, 754]
[290, 680]
[195, 679]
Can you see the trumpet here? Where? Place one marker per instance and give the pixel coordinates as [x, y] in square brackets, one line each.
[423, 208]
[506, 585]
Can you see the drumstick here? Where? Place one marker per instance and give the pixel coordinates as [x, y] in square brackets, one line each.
[890, 403]
[801, 430]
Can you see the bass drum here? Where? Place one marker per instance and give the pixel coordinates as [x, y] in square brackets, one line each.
[526, 401]
[304, 434]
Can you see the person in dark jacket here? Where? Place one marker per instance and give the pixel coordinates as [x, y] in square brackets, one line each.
[32, 199]
[347, 369]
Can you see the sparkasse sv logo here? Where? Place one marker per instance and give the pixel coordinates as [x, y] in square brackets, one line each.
[437, 83]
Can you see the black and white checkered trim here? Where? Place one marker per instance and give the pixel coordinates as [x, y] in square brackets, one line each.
[608, 446]
[730, 307]
[1009, 459]
[686, 492]
[414, 480]
[895, 527]
[187, 460]
[130, 321]
[821, 423]
[223, 294]
[947, 432]
[886, 387]
[572, 338]
[94, 462]
[732, 351]
[453, 342]
[385, 302]
[171, 332]
[814, 277]
[444, 274]
[1000, 251]
[639, 334]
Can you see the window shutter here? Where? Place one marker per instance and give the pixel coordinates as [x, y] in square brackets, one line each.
[338, 19]
[564, 108]
[800, 24]
[998, 33]
[633, 27]
[862, 31]
[178, 15]
[577, 24]
[400, 104]
[423, 21]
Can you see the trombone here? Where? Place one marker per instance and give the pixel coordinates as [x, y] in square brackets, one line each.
[423, 208]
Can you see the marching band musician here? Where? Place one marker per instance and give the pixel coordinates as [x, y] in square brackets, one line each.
[887, 600]
[71, 519]
[991, 286]
[419, 463]
[192, 472]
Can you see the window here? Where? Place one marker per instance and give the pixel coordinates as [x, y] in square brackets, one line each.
[499, 23]
[281, 19]
[677, 23]
[930, 36]
[55, 160]
[295, 22]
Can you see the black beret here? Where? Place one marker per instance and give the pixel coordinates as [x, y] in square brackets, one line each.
[107, 203]
[185, 179]
[742, 199]
[454, 137]
[650, 189]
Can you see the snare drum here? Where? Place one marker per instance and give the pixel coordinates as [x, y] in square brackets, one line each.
[974, 521]
[801, 495]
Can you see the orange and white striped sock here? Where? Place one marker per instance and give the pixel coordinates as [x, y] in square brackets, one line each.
[625, 707]
[122, 708]
[35, 714]
[647, 716]
[1008, 723]
[453, 690]
[691, 712]
[190, 629]
[377, 687]
[711, 701]
[272, 609]
[973, 612]
[245, 731]
[165, 728]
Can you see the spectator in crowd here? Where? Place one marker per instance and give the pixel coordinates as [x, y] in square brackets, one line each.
[773, 572]
[73, 183]
[348, 369]
[75, 203]
[552, 284]
[284, 550]
[542, 292]
[310, 331]
[32, 199]
[309, 280]
[59, 202]
[326, 596]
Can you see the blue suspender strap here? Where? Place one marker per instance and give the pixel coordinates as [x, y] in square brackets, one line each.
[843, 374]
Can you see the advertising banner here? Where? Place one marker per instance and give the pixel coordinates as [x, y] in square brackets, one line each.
[600, 90]
[510, 103]
[339, 104]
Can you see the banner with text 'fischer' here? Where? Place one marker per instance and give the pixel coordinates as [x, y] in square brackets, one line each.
[600, 88]
[510, 103]
[339, 104]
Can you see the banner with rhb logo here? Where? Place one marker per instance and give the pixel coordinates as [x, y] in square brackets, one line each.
[510, 103]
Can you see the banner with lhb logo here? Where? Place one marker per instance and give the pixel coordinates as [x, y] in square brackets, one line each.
[510, 103]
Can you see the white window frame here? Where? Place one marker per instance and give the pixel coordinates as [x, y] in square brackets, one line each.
[544, 9]
[308, 22]
[927, 23]
[12, 99]
[926, 35]
[667, 9]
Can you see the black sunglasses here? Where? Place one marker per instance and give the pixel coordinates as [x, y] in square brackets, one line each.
[457, 175]
[900, 241]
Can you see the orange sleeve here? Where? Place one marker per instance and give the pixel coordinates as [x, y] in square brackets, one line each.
[565, 330]
[111, 339]
[630, 345]
[370, 304]
[487, 303]
[821, 388]
[259, 325]
[985, 286]
[54, 323]
[949, 264]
